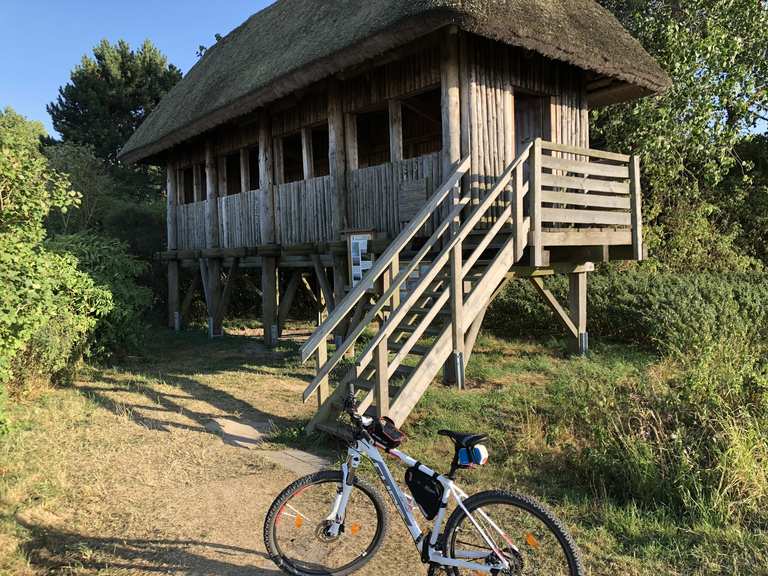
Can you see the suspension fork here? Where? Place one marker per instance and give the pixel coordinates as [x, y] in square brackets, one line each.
[339, 510]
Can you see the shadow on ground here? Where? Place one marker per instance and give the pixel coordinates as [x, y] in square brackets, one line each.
[59, 551]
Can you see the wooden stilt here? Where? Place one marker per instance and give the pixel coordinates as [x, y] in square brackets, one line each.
[226, 292]
[269, 302]
[577, 304]
[173, 266]
[453, 372]
[339, 291]
[213, 265]
[286, 300]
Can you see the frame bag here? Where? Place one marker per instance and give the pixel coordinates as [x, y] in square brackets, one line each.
[426, 490]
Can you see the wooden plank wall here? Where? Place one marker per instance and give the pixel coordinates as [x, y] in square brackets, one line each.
[373, 191]
[306, 211]
[190, 226]
[554, 106]
[239, 224]
[411, 74]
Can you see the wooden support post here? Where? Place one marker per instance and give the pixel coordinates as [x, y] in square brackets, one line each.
[198, 174]
[286, 300]
[340, 276]
[453, 371]
[465, 84]
[337, 153]
[322, 280]
[395, 131]
[577, 305]
[636, 195]
[267, 201]
[381, 384]
[245, 171]
[350, 135]
[306, 153]
[537, 250]
[174, 320]
[269, 301]
[213, 265]
[323, 391]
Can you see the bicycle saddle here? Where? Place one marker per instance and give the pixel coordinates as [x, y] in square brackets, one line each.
[463, 440]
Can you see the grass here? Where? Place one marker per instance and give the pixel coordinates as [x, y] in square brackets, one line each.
[114, 475]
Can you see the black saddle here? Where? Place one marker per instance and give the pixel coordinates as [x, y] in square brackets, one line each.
[463, 440]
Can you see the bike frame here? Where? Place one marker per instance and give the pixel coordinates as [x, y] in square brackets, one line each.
[433, 554]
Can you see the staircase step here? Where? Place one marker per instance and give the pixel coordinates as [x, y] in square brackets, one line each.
[336, 429]
[419, 310]
[415, 350]
[431, 331]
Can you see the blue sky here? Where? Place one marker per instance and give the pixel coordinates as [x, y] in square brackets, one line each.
[42, 40]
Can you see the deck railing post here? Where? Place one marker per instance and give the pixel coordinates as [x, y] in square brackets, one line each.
[635, 206]
[381, 355]
[323, 390]
[457, 303]
[537, 252]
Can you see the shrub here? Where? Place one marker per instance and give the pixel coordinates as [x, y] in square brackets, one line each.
[47, 306]
[663, 311]
[107, 261]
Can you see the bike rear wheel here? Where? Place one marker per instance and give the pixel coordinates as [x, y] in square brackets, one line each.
[295, 528]
[531, 538]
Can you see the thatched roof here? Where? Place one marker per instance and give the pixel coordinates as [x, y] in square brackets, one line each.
[294, 43]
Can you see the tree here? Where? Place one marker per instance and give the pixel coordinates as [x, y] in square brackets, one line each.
[716, 52]
[110, 95]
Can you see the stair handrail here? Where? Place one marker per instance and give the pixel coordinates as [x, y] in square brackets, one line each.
[384, 261]
[466, 227]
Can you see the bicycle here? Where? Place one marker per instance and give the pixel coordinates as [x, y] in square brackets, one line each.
[333, 522]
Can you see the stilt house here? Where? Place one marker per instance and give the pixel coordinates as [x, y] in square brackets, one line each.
[435, 148]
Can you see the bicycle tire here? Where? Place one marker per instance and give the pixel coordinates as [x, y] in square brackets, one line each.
[526, 503]
[326, 476]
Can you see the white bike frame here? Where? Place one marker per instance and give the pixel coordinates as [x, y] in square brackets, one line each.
[462, 559]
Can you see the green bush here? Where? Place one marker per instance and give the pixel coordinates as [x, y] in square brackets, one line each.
[663, 311]
[47, 307]
[107, 261]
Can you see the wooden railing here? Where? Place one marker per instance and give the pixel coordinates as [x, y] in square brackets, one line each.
[448, 236]
[583, 197]
[239, 224]
[388, 262]
[190, 226]
[306, 211]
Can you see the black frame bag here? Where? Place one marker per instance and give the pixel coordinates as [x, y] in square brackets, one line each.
[426, 490]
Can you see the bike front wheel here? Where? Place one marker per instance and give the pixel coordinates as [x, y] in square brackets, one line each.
[530, 538]
[296, 528]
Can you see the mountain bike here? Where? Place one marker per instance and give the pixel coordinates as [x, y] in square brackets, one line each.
[334, 522]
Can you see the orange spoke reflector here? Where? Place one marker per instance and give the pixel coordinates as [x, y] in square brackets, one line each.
[530, 539]
[298, 522]
[354, 529]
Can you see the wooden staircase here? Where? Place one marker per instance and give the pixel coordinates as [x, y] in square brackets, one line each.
[413, 328]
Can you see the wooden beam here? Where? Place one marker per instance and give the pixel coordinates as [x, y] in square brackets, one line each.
[577, 305]
[266, 180]
[322, 279]
[350, 134]
[269, 302]
[535, 240]
[245, 170]
[337, 152]
[306, 153]
[286, 299]
[198, 175]
[171, 197]
[451, 111]
[636, 195]
[395, 131]
[560, 313]
[212, 206]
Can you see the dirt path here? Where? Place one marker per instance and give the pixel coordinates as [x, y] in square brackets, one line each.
[144, 488]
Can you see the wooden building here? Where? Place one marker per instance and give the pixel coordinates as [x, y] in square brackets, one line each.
[453, 134]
